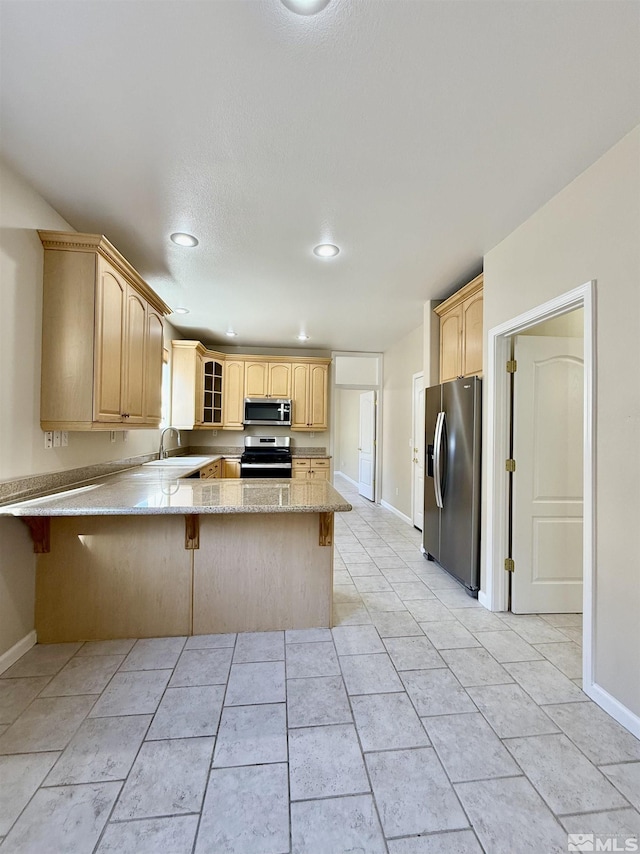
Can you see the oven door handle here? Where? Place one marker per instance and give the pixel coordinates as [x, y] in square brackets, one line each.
[265, 465]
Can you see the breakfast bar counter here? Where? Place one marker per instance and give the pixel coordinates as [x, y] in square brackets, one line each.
[150, 552]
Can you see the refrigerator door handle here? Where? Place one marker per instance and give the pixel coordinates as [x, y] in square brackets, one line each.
[437, 459]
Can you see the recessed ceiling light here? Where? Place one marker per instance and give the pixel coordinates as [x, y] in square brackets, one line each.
[181, 311]
[303, 337]
[183, 239]
[231, 333]
[326, 250]
[305, 7]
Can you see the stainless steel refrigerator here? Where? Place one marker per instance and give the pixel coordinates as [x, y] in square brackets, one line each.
[451, 529]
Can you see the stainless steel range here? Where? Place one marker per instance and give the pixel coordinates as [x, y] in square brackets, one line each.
[266, 456]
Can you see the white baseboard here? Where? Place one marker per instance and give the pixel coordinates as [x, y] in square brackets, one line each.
[346, 477]
[17, 651]
[615, 708]
[483, 599]
[397, 512]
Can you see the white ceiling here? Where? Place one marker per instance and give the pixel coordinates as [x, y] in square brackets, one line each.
[415, 134]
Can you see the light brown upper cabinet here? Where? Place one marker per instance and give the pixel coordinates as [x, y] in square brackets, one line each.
[197, 385]
[102, 329]
[233, 397]
[246, 376]
[267, 379]
[256, 379]
[461, 332]
[309, 396]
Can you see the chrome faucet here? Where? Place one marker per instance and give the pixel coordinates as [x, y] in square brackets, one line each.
[162, 454]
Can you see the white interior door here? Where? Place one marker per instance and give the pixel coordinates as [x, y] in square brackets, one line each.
[367, 445]
[417, 457]
[547, 484]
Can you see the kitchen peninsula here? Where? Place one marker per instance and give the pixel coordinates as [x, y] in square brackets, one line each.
[152, 552]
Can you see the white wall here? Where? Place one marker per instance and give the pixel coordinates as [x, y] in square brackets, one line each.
[591, 230]
[431, 347]
[22, 452]
[401, 361]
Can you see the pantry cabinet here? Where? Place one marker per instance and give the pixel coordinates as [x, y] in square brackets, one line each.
[102, 333]
[309, 396]
[461, 332]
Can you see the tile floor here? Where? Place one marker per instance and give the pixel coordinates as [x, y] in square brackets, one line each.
[422, 724]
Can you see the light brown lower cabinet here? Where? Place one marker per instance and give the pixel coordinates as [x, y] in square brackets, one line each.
[311, 468]
[212, 470]
[231, 467]
[109, 577]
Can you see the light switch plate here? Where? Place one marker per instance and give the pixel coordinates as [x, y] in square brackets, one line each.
[64, 438]
[57, 439]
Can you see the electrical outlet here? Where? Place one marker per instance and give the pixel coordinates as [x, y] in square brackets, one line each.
[112, 436]
[56, 439]
[214, 432]
[125, 435]
[312, 435]
[48, 439]
[64, 438]
[396, 490]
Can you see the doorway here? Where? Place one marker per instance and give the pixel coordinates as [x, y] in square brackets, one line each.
[495, 583]
[546, 486]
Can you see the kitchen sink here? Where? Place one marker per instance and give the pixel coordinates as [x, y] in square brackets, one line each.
[179, 461]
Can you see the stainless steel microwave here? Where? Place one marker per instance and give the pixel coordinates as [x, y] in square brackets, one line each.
[270, 411]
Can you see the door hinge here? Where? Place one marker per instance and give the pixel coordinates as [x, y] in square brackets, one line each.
[510, 465]
[512, 366]
[510, 564]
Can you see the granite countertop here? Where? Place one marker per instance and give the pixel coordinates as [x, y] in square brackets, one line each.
[158, 489]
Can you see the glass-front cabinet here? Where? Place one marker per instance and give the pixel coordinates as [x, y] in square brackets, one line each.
[211, 392]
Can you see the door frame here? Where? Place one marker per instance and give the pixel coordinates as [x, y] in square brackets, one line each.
[494, 592]
[376, 361]
[414, 377]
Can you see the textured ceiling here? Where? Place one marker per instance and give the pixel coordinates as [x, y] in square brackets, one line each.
[415, 134]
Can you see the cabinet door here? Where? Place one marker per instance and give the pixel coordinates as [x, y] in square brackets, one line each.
[450, 345]
[319, 474]
[134, 358]
[472, 335]
[256, 379]
[300, 396]
[279, 379]
[231, 468]
[211, 397]
[233, 398]
[318, 397]
[153, 358]
[300, 474]
[111, 304]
